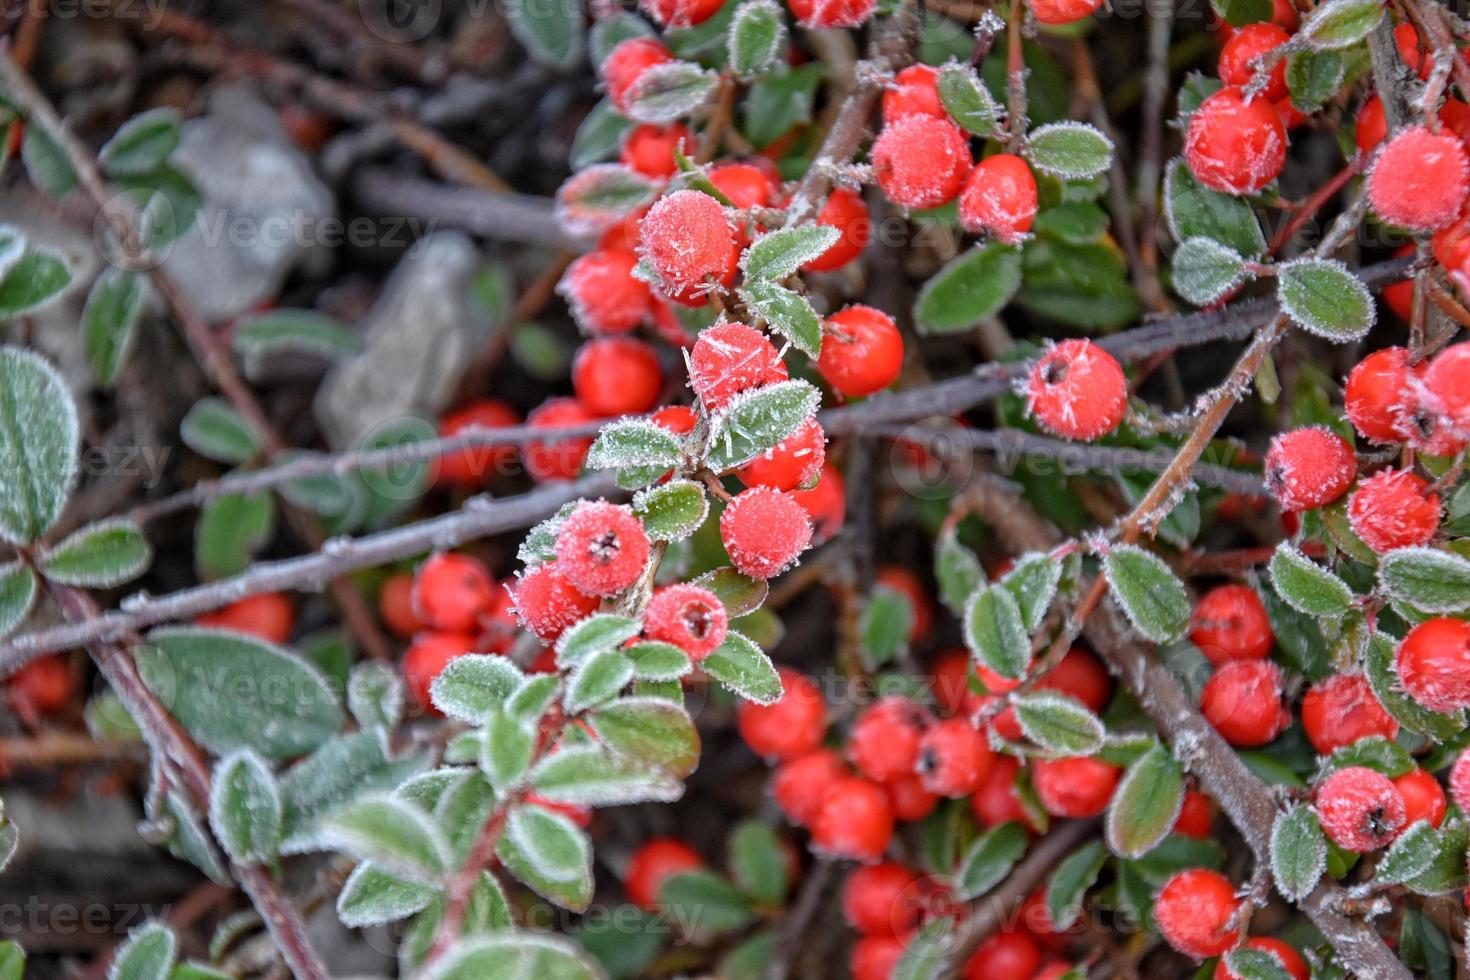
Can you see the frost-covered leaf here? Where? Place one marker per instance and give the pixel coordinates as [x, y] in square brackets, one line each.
[757, 34]
[1248, 963]
[462, 810]
[740, 594]
[987, 861]
[670, 91]
[470, 686]
[1069, 150]
[233, 691]
[551, 32]
[291, 333]
[757, 420]
[780, 253]
[539, 544]
[1411, 855]
[1341, 24]
[373, 897]
[396, 835]
[887, 621]
[600, 196]
[375, 695]
[1322, 297]
[1195, 211]
[1371, 752]
[46, 161]
[1059, 723]
[597, 678]
[550, 854]
[1313, 77]
[706, 902]
[147, 954]
[967, 100]
[245, 808]
[142, 144]
[926, 952]
[671, 511]
[743, 667]
[213, 428]
[1204, 270]
[544, 956]
[1067, 885]
[996, 633]
[1427, 578]
[592, 776]
[786, 312]
[110, 319]
[1149, 593]
[37, 277]
[971, 287]
[656, 661]
[99, 555]
[1238, 13]
[38, 445]
[188, 837]
[600, 631]
[18, 586]
[1308, 587]
[956, 569]
[1032, 582]
[1298, 852]
[1146, 804]
[633, 442]
[230, 531]
[649, 730]
[507, 749]
[1446, 872]
[532, 699]
[599, 136]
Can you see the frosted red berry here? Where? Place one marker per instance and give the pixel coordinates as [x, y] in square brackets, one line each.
[1234, 146]
[547, 602]
[862, 351]
[1243, 701]
[885, 741]
[999, 197]
[1341, 709]
[1420, 179]
[1360, 809]
[395, 605]
[560, 459]
[1057, 12]
[1196, 816]
[451, 591]
[954, 757]
[678, 419]
[845, 211]
[687, 238]
[626, 63]
[874, 957]
[745, 184]
[430, 653]
[1393, 509]
[1424, 797]
[1378, 396]
[1290, 959]
[1078, 390]
[1075, 786]
[1247, 45]
[921, 161]
[649, 149]
[688, 616]
[800, 784]
[793, 462]
[602, 548]
[1008, 955]
[1195, 912]
[617, 376]
[1460, 780]
[267, 615]
[1230, 623]
[877, 898]
[1447, 388]
[832, 13]
[1434, 664]
[652, 864]
[679, 14]
[791, 727]
[729, 358]
[909, 799]
[854, 821]
[914, 92]
[1309, 467]
[470, 468]
[764, 531]
[603, 294]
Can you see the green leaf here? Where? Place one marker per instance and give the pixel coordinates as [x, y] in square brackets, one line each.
[633, 442]
[1371, 752]
[1195, 211]
[656, 661]
[670, 91]
[551, 32]
[600, 196]
[110, 319]
[18, 587]
[550, 854]
[926, 952]
[148, 954]
[780, 100]
[394, 834]
[38, 445]
[887, 620]
[214, 429]
[1427, 578]
[99, 555]
[1032, 582]
[1149, 593]
[1412, 854]
[1446, 872]
[1069, 150]
[649, 730]
[1146, 804]
[245, 808]
[46, 161]
[743, 667]
[1059, 723]
[786, 312]
[705, 903]
[168, 204]
[343, 769]
[996, 633]
[290, 332]
[967, 100]
[1382, 673]
[780, 253]
[233, 691]
[1247, 963]
[188, 838]
[471, 686]
[671, 511]
[1308, 587]
[542, 955]
[1298, 853]
[990, 859]
[970, 288]
[1238, 13]
[12, 960]
[375, 695]
[1203, 270]
[530, 703]
[597, 678]
[1340, 24]
[599, 136]
[757, 862]
[373, 897]
[1076, 873]
[956, 569]
[507, 749]
[231, 530]
[1322, 297]
[33, 280]
[600, 631]
[1312, 78]
[592, 776]
[1073, 222]
[757, 35]
[757, 420]
[740, 594]
[142, 144]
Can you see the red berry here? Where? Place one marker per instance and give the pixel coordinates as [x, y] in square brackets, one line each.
[1446, 390]
[691, 618]
[953, 758]
[909, 799]
[1393, 509]
[1196, 816]
[687, 238]
[1420, 179]
[649, 149]
[873, 957]
[429, 655]
[1371, 125]
[395, 605]
[792, 726]
[832, 13]
[793, 462]
[862, 351]
[873, 899]
[43, 686]
[950, 677]
[885, 741]
[1007, 955]
[1309, 468]
[1078, 390]
[1230, 623]
[1000, 198]
[604, 295]
[1341, 709]
[547, 603]
[268, 616]
[679, 14]
[451, 591]
[1234, 146]
[1244, 47]
[825, 504]
[1378, 396]
[729, 358]
[1360, 809]
[1460, 780]
[921, 161]
[915, 92]
[764, 531]
[617, 376]
[800, 784]
[678, 419]
[469, 468]
[654, 863]
[846, 212]
[1076, 786]
[560, 460]
[1434, 664]
[1195, 912]
[995, 801]
[854, 822]
[602, 548]
[1243, 701]
[1424, 798]
[627, 62]
[1290, 959]
[1062, 11]
[745, 184]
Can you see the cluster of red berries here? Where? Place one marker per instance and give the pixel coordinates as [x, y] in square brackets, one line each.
[1243, 698]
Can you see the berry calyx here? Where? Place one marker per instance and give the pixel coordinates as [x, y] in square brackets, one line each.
[1393, 509]
[688, 616]
[1434, 664]
[800, 784]
[791, 727]
[1000, 198]
[873, 899]
[547, 602]
[764, 531]
[1078, 390]
[921, 161]
[1341, 709]
[268, 616]
[1424, 797]
[862, 351]
[915, 91]
[654, 863]
[626, 63]
[470, 468]
[451, 591]
[729, 358]
[854, 821]
[1075, 786]
[687, 238]
[1309, 467]
[562, 459]
[846, 212]
[885, 741]
[1360, 809]
[1420, 179]
[1237, 66]
[1230, 623]
[617, 376]
[602, 548]
[1234, 146]
[953, 758]
[1243, 701]
[1195, 912]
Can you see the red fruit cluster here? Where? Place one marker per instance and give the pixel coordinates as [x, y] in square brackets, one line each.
[999, 197]
[560, 459]
[1420, 179]
[1243, 701]
[921, 161]
[603, 294]
[1394, 509]
[730, 358]
[617, 376]
[1341, 709]
[1434, 664]
[1230, 623]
